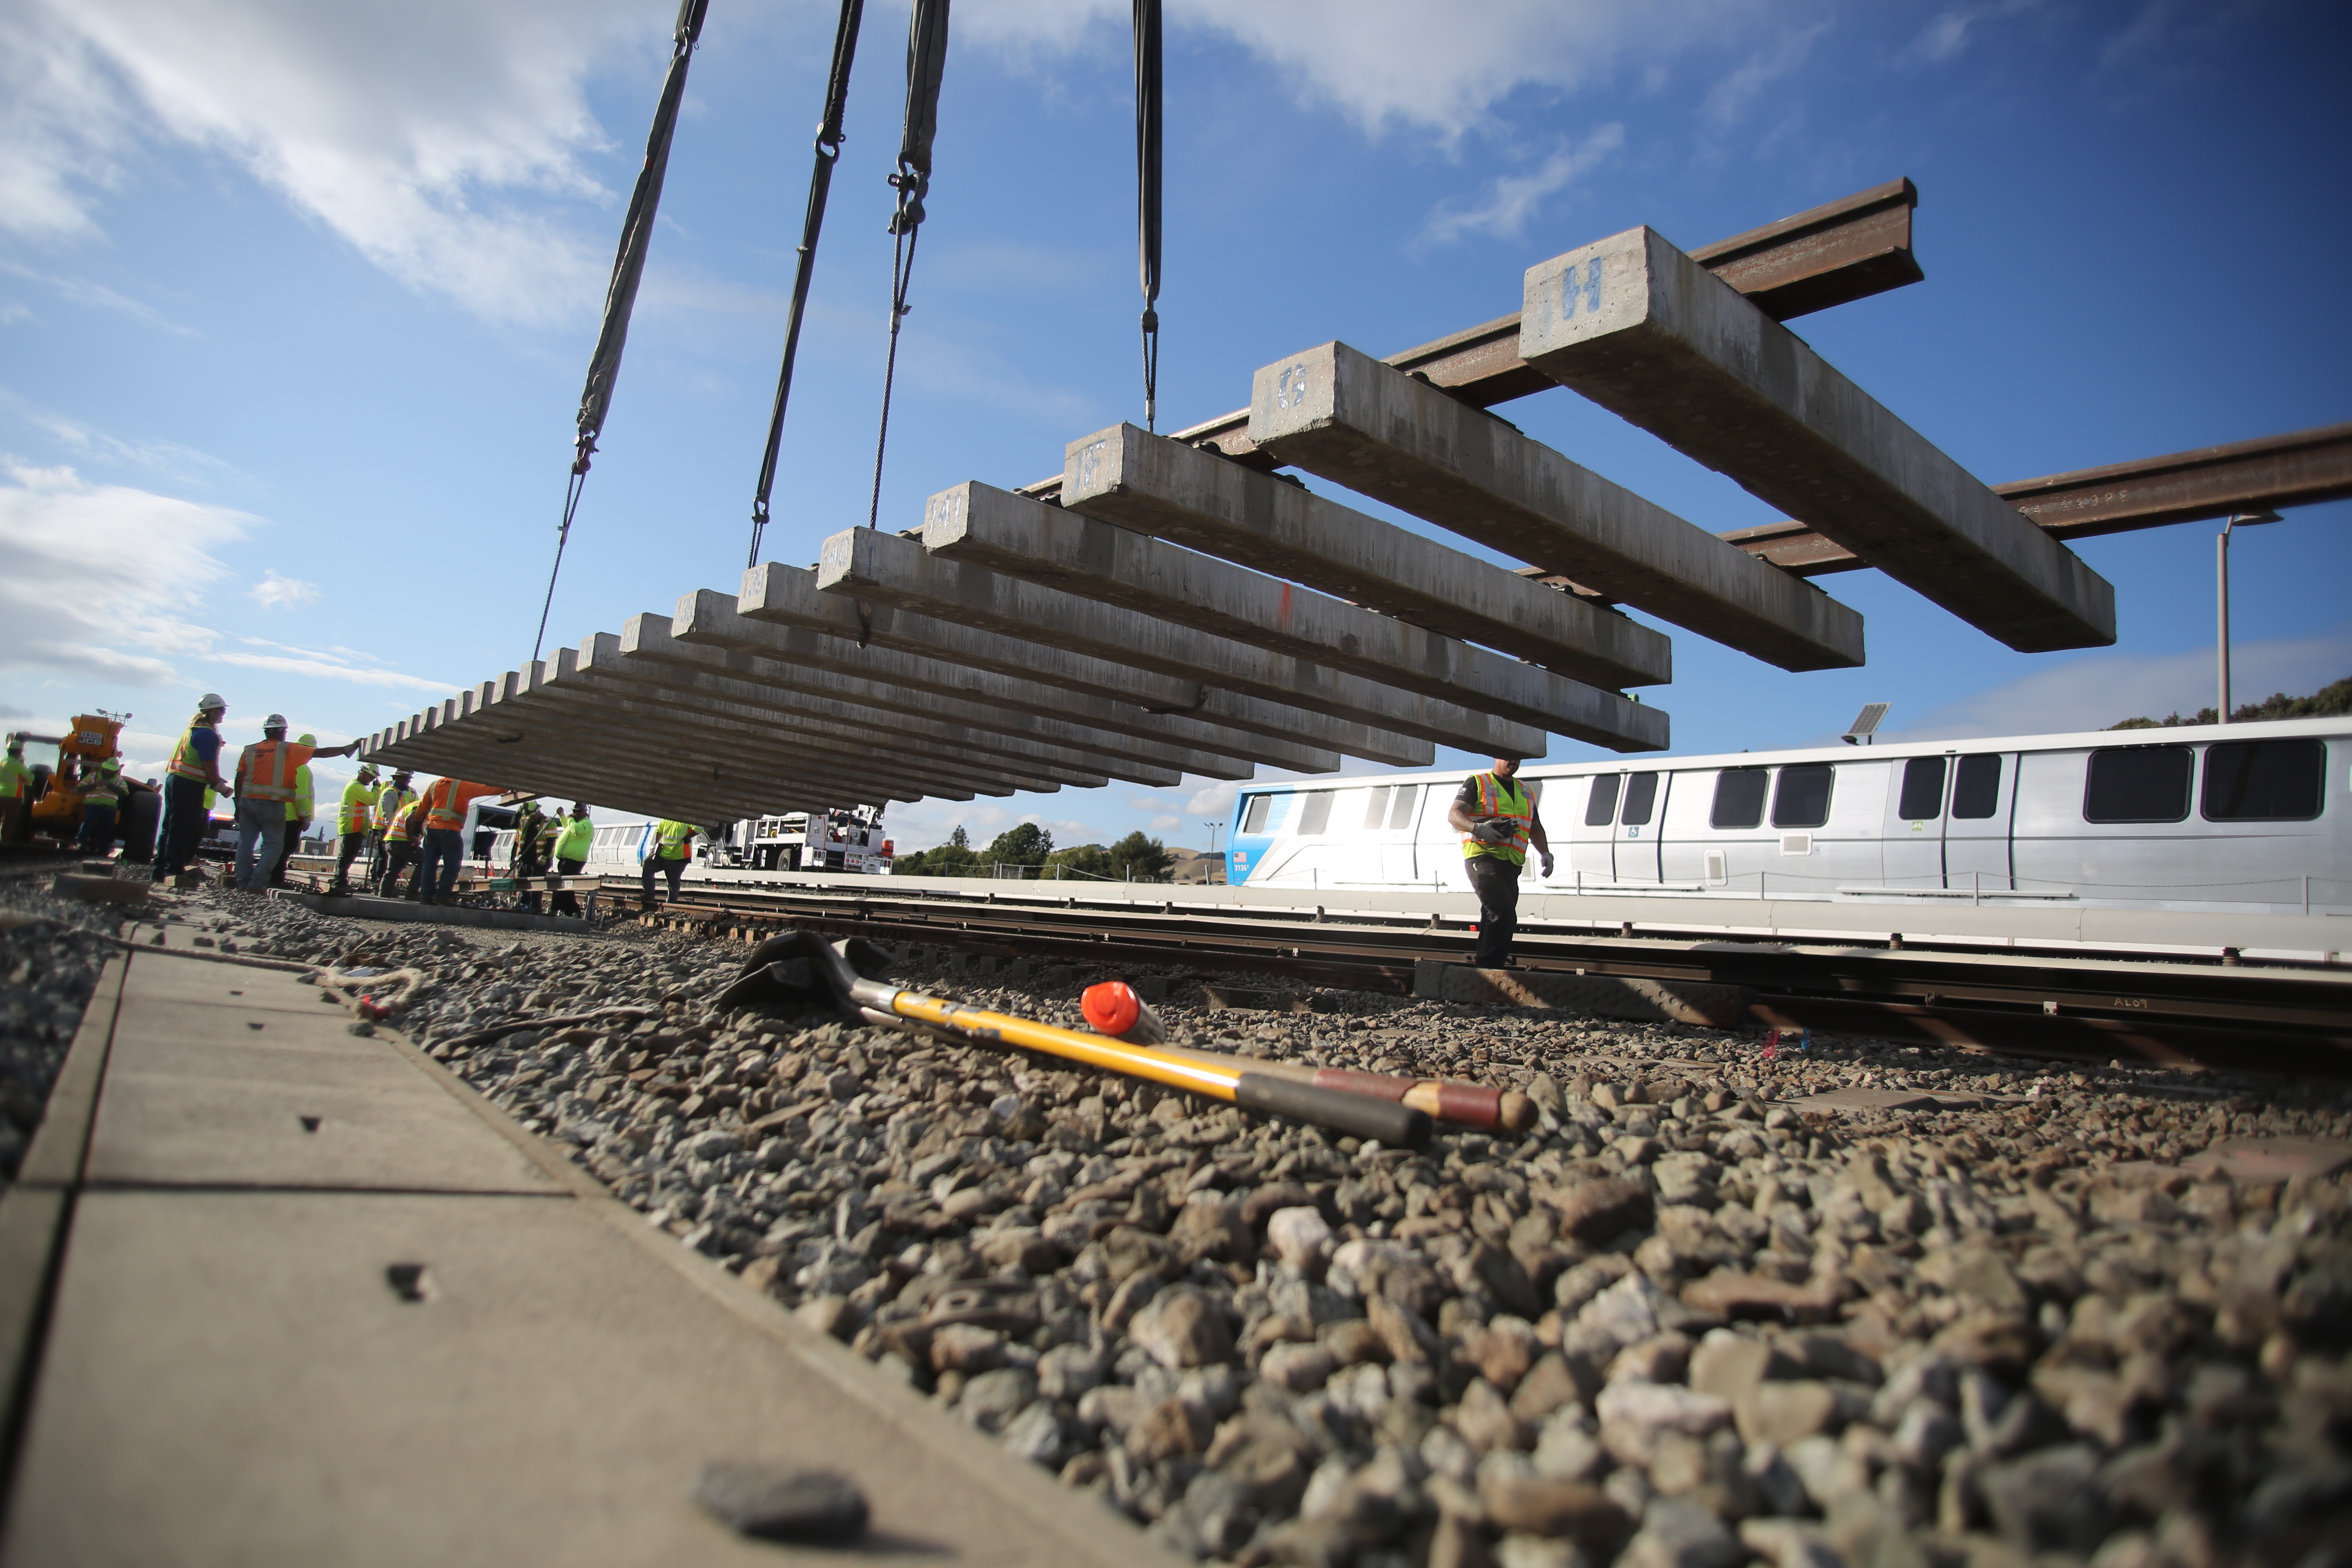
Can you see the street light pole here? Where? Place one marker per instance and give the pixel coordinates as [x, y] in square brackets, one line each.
[2222, 583]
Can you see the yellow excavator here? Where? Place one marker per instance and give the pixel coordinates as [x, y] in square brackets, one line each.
[57, 793]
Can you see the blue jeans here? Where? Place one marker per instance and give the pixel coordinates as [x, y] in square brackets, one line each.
[437, 874]
[261, 826]
[97, 827]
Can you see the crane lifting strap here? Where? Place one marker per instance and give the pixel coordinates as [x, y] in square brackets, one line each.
[1146, 193]
[927, 61]
[829, 135]
[628, 269]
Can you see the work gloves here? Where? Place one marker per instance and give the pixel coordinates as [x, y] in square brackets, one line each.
[1496, 830]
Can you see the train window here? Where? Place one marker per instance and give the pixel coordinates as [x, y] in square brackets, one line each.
[1253, 813]
[1314, 811]
[1600, 806]
[1975, 789]
[1803, 798]
[2139, 783]
[2265, 781]
[1376, 807]
[1923, 790]
[1738, 798]
[1400, 812]
[1641, 798]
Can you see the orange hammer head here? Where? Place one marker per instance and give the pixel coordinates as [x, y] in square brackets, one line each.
[1113, 1009]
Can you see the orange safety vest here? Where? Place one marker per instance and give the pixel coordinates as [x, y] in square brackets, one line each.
[184, 762]
[268, 770]
[1504, 798]
[445, 803]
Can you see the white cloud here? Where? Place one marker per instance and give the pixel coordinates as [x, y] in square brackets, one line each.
[1213, 803]
[277, 593]
[169, 458]
[426, 133]
[1384, 62]
[1512, 199]
[103, 582]
[1947, 36]
[82, 292]
[98, 579]
[1728, 101]
[2094, 692]
[324, 670]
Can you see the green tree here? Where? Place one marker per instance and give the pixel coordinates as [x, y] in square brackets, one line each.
[1086, 860]
[958, 839]
[1140, 859]
[2327, 702]
[1024, 844]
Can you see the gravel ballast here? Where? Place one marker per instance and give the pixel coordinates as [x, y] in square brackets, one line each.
[1865, 1305]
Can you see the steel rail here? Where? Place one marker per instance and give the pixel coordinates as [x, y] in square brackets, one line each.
[2156, 1008]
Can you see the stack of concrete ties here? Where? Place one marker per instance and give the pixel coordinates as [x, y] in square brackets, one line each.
[1178, 608]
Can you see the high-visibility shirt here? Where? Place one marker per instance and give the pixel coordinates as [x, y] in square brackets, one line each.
[674, 840]
[271, 770]
[15, 778]
[1503, 798]
[391, 804]
[446, 802]
[103, 790]
[357, 812]
[198, 753]
[530, 825]
[304, 806]
[573, 842]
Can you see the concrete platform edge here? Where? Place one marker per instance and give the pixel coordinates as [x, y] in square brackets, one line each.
[1089, 1526]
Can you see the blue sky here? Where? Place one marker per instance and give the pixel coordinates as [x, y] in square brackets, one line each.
[295, 302]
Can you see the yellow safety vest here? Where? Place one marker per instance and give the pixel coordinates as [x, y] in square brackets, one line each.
[13, 777]
[303, 807]
[184, 762]
[1504, 798]
[391, 804]
[674, 836]
[357, 812]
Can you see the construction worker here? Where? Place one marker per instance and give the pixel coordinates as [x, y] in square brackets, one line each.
[444, 840]
[572, 846]
[267, 784]
[1497, 818]
[528, 859]
[673, 847]
[101, 797]
[393, 842]
[406, 852]
[191, 780]
[300, 813]
[15, 783]
[354, 824]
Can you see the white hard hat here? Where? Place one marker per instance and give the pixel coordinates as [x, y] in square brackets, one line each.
[274, 721]
[211, 702]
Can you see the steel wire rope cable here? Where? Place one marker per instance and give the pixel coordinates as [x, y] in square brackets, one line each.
[829, 137]
[1147, 195]
[621, 294]
[926, 59]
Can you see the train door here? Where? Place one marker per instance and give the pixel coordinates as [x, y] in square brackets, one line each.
[1914, 848]
[1640, 813]
[1399, 842]
[1975, 822]
[1591, 824]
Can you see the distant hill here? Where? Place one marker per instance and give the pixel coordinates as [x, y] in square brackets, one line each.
[2325, 704]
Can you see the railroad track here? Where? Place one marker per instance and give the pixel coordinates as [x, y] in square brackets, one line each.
[2152, 1007]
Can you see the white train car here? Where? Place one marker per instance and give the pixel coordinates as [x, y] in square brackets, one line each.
[2221, 818]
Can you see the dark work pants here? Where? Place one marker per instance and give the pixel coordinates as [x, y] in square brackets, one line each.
[97, 835]
[184, 820]
[565, 902]
[1496, 883]
[399, 854]
[349, 851]
[673, 869]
